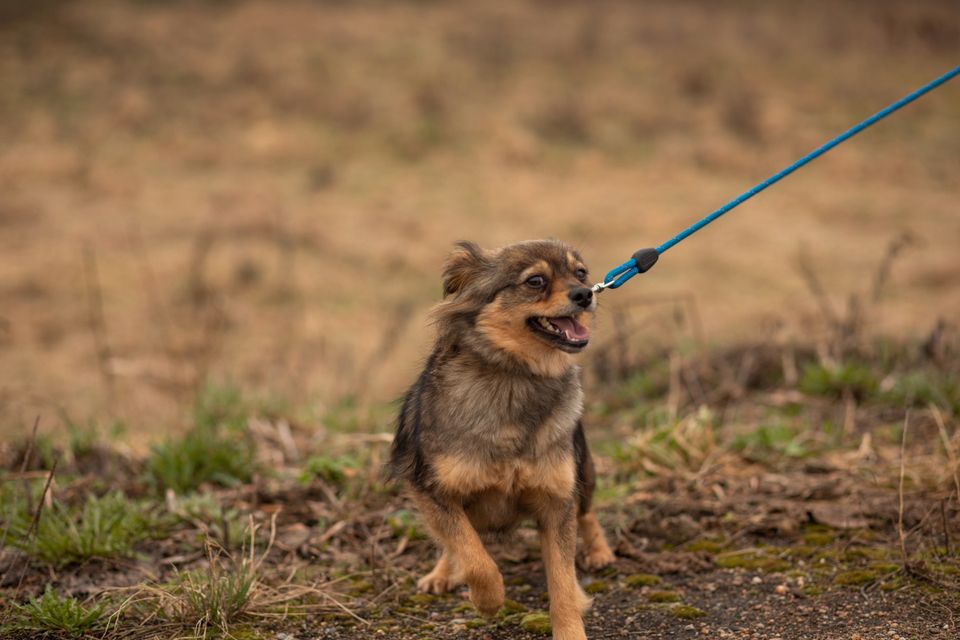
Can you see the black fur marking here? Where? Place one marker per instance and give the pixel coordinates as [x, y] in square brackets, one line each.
[586, 476]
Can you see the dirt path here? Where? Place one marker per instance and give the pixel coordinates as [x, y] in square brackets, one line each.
[758, 561]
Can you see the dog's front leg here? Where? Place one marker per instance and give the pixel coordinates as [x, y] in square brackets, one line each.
[452, 528]
[558, 539]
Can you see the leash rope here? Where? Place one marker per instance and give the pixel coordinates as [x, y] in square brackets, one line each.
[644, 259]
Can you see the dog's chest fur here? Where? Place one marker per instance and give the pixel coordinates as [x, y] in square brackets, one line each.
[496, 415]
[500, 439]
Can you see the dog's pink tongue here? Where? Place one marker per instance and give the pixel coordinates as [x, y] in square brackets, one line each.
[572, 330]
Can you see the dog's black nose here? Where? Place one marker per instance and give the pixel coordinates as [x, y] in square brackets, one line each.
[582, 296]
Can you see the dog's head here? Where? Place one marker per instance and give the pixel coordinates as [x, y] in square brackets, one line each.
[529, 300]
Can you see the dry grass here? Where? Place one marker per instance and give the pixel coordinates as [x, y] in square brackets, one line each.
[213, 600]
[264, 192]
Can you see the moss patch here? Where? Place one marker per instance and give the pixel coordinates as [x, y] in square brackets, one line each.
[883, 567]
[751, 559]
[685, 612]
[663, 596]
[710, 546]
[818, 538]
[510, 607]
[597, 586]
[537, 623]
[854, 578]
[463, 607]
[638, 580]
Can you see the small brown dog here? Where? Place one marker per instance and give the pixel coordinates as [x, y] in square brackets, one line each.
[490, 433]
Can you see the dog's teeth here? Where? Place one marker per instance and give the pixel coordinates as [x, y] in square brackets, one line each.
[549, 326]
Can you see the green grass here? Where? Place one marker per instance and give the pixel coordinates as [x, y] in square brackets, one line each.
[849, 377]
[84, 437]
[921, 388]
[406, 523]
[56, 615]
[102, 527]
[216, 450]
[777, 439]
[225, 525]
[336, 470]
[917, 387]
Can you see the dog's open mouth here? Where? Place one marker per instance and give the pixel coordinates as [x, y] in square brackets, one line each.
[563, 332]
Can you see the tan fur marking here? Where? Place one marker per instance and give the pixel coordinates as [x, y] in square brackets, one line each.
[567, 599]
[541, 268]
[555, 479]
[464, 476]
[507, 330]
[454, 532]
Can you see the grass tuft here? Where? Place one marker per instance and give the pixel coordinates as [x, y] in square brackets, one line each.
[103, 527]
[772, 441]
[207, 513]
[55, 614]
[674, 446]
[835, 381]
[336, 470]
[208, 601]
[212, 602]
[216, 450]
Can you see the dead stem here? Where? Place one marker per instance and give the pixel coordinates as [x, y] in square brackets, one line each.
[946, 528]
[948, 446]
[27, 455]
[902, 537]
[97, 323]
[35, 522]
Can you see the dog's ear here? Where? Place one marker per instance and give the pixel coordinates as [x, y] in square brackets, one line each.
[466, 263]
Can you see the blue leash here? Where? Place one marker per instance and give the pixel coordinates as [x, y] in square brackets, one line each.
[644, 259]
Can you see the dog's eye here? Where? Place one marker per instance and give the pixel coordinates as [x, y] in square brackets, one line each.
[581, 274]
[537, 282]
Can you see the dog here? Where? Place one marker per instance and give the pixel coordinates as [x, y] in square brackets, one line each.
[490, 433]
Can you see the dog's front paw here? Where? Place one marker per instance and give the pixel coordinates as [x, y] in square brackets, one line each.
[598, 557]
[487, 593]
[437, 581]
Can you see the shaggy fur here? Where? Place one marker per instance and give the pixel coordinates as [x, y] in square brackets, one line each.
[490, 432]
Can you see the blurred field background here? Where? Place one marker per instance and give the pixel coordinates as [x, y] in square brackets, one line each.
[261, 193]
